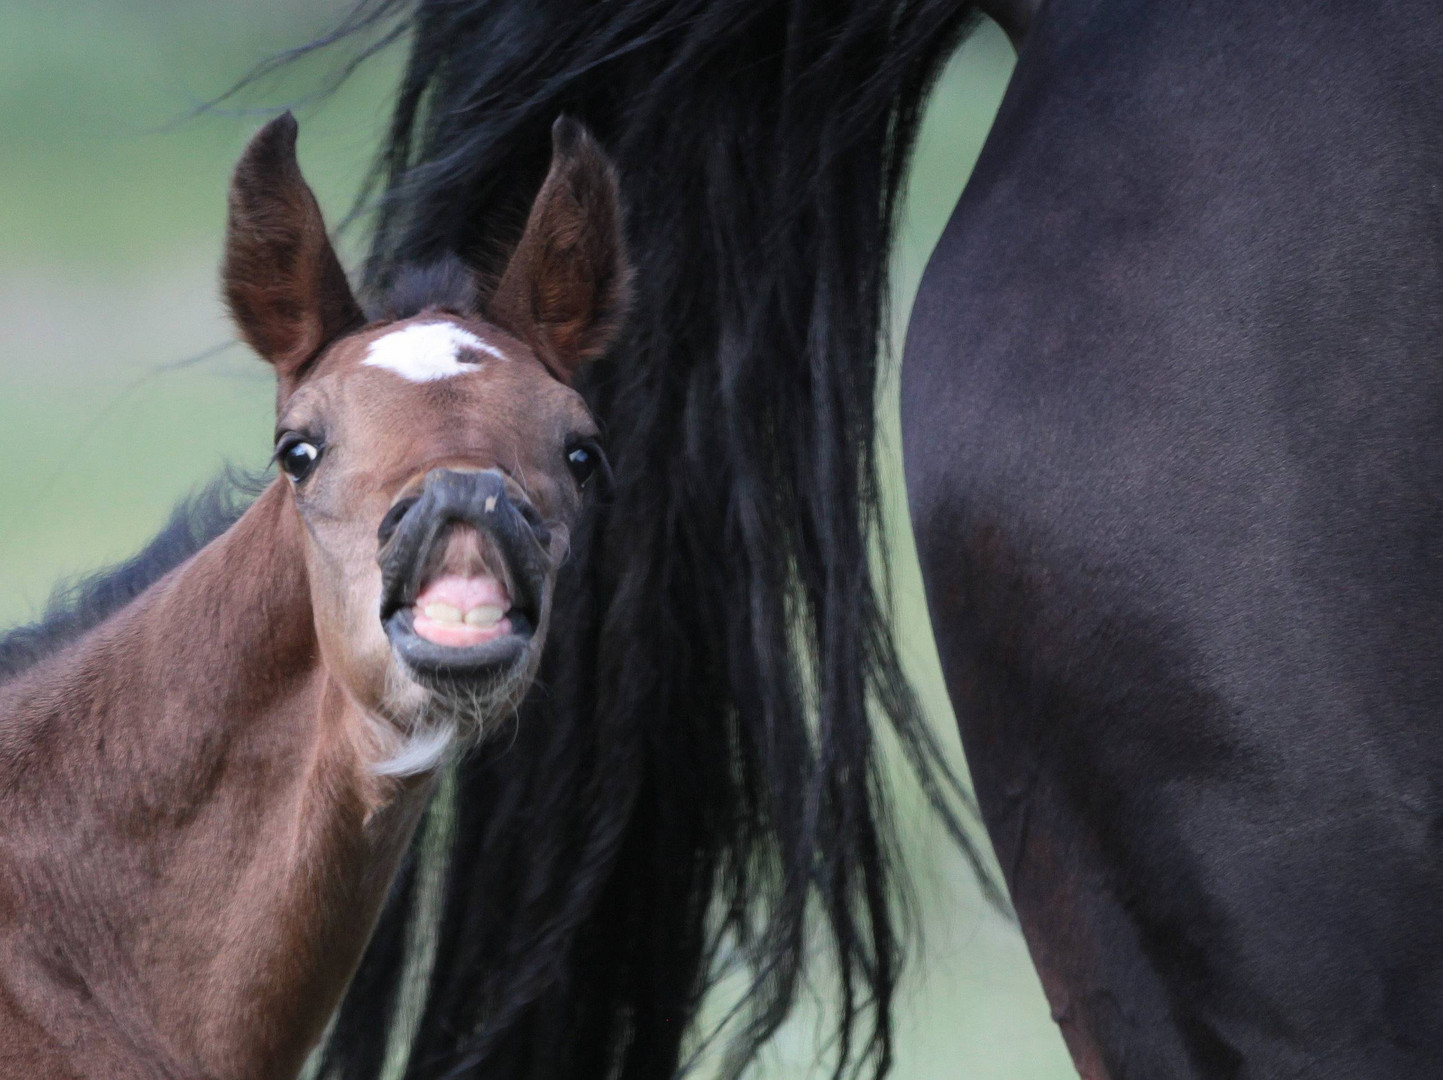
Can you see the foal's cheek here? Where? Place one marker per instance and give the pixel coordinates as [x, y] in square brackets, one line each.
[365, 642]
[346, 592]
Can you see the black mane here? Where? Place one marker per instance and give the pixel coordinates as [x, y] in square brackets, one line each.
[699, 776]
[75, 607]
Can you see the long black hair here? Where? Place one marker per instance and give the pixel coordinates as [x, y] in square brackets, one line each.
[696, 780]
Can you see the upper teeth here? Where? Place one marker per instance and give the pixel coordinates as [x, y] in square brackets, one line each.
[483, 615]
[443, 613]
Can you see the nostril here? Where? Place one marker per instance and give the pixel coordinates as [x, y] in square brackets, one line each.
[393, 517]
[532, 518]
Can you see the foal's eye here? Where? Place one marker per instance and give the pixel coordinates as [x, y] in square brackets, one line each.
[581, 460]
[298, 458]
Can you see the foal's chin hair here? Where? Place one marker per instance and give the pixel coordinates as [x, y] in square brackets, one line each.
[451, 718]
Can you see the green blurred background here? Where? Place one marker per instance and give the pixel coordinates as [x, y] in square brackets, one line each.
[118, 393]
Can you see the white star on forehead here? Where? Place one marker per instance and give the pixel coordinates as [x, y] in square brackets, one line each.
[425, 351]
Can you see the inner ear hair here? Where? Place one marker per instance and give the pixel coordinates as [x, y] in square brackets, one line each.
[567, 286]
[284, 286]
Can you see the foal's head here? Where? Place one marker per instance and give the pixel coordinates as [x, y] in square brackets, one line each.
[437, 458]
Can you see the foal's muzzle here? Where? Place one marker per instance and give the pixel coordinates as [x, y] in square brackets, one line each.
[413, 538]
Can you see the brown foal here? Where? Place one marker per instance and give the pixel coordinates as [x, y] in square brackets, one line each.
[205, 796]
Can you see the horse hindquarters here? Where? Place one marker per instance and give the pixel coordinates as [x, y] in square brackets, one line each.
[1174, 436]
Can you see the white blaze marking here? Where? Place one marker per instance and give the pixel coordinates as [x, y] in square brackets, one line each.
[490, 503]
[425, 351]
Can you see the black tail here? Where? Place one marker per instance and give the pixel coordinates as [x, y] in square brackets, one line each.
[698, 776]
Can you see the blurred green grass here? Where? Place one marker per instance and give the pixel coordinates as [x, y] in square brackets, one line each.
[117, 396]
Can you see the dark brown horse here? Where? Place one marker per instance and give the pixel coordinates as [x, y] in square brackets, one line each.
[207, 791]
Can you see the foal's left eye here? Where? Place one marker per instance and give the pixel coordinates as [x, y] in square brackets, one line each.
[298, 458]
[581, 460]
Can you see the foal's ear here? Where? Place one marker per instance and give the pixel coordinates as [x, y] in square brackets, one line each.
[285, 287]
[567, 287]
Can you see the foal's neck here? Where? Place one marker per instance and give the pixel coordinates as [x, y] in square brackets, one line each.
[195, 849]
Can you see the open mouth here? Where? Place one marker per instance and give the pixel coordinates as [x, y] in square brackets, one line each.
[460, 601]
[462, 612]
[457, 617]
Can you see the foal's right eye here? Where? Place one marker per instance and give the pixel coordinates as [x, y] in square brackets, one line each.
[298, 458]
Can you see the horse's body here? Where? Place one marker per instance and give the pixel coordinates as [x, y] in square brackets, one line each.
[1172, 425]
[1173, 415]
